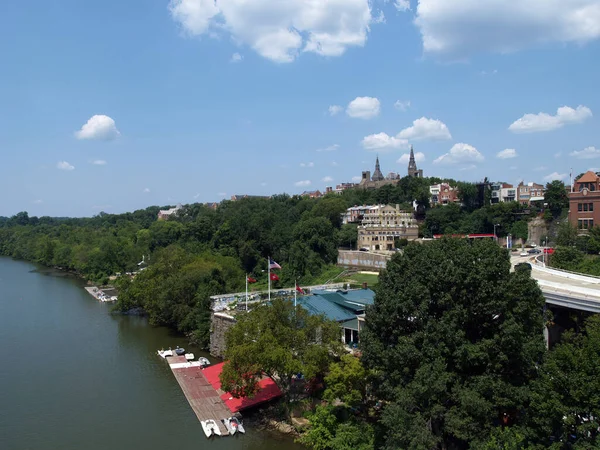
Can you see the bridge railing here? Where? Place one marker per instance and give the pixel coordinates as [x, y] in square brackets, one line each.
[581, 276]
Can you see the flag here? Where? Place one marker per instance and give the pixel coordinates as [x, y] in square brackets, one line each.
[273, 264]
[251, 280]
[299, 289]
[274, 277]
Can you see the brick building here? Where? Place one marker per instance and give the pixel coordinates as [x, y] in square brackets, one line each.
[383, 224]
[530, 192]
[443, 194]
[584, 201]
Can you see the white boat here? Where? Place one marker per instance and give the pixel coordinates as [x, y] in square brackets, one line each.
[236, 424]
[210, 427]
[165, 353]
[189, 356]
[230, 428]
[204, 361]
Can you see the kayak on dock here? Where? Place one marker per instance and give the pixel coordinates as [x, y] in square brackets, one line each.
[180, 351]
[236, 424]
[204, 361]
[164, 353]
[189, 356]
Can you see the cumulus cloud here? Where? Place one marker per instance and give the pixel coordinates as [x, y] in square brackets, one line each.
[405, 158]
[507, 153]
[309, 164]
[531, 123]
[99, 162]
[335, 109]
[279, 31]
[64, 165]
[327, 179]
[236, 57]
[402, 105]
[459, 28]
[460, 153]
[98, 127]
[383, 141]
[334, 163]
[331, 148]
[555, 176]
[38, 202]
[425, 128]
[303, 183]
[586, 153]
[364, 108]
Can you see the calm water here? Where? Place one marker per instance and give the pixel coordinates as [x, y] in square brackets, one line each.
[73, 376]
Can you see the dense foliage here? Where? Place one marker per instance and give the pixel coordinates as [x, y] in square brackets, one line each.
[453, 338]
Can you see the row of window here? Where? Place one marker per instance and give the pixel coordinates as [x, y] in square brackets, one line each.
[589, 186]
[585, 224]
[585, 206]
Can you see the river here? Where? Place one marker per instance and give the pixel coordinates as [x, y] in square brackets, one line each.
[74, 376]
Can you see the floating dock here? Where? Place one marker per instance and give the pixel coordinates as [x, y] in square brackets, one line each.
[202, 388]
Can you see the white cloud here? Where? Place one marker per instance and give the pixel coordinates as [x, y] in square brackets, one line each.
[99, 162]
[236, 57]
[327, 179]
[558, 154]
[38, 202]
[222, 194]
[310, 164]
[335, 109]
[513, 167]
[334, 163]
[382, 141]
[146, 191]
[279, 31]
[197, 195]
[98, 127]
[364, 108]
[64, 165]
[540, 168]
[331, 148]
[380, 18]
[555, 176]
[586, 153]
[402, 105]
[425, 128]
[303, 183]
[356, 179]
[402, 5]
[263, 184]
[460, 153]
[461, 27]
[490, 72]
[507, 153]
[531, 123]
[405, 158]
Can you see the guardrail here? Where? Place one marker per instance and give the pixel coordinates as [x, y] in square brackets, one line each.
[542, 267]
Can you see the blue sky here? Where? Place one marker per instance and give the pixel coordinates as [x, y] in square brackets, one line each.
[117, 105]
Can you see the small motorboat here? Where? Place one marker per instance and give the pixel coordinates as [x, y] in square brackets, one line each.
[189, 356]
[164, 353]
[180, 351]
[236, 424]
[210, 428]
[230, 428]
[204, 361]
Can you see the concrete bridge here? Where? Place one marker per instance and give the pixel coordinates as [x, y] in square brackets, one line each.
[563, 288]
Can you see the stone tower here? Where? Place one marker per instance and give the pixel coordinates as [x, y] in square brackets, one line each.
[377, 175]
[412, 166]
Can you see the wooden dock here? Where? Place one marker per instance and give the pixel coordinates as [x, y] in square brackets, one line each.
[204, 399]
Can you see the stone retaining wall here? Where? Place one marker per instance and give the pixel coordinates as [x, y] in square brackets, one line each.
[220, 323]
[362, 260]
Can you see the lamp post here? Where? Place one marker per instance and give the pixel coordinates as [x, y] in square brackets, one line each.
[496, 225]
[509, 241]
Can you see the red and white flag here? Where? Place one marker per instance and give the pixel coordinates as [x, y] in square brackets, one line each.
[274, 277]
[299, 289]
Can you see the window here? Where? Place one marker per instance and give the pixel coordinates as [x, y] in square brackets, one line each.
[580, 224]
[585, 206]
[580, 207]
[591, 207]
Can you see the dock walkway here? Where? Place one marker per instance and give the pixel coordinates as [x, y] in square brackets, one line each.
[204, 399]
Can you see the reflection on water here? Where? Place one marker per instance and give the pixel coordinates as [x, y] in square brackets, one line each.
[75, 376]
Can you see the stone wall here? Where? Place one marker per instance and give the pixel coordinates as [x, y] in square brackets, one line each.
[362, 260]
[220, 323]
[537, 231]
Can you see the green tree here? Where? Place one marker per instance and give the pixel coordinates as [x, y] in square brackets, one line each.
[556, 197]
[347, 381]
[279, 341]
[453, 340]
[566, 397]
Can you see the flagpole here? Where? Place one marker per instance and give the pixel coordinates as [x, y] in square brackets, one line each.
[269, 275]
[246, 292]
[295, 292]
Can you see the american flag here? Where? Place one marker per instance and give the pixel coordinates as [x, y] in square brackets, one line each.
[273, 264]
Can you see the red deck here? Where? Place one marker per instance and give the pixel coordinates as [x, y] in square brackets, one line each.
[268, 390]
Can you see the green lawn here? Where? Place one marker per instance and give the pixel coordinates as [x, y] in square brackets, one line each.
[360, 278]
